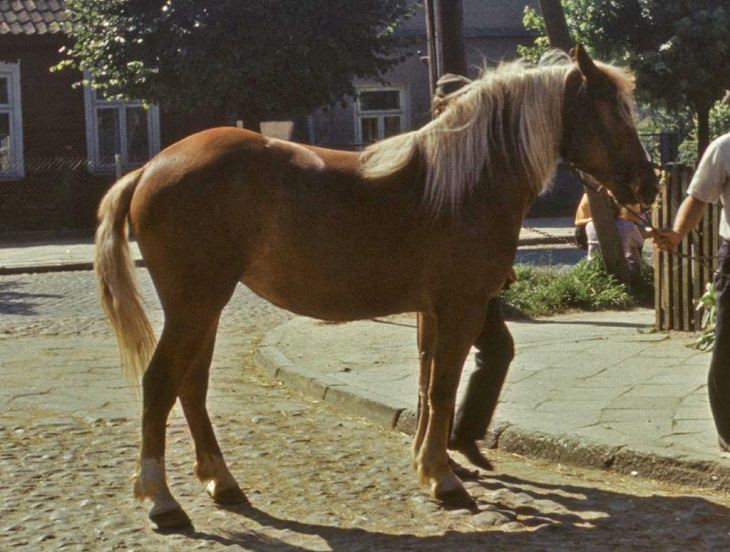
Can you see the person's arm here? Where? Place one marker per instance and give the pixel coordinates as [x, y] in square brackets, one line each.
[583, 212]
[688, 217]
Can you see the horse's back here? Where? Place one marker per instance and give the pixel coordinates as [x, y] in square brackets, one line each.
[275, 214]
[218, 172]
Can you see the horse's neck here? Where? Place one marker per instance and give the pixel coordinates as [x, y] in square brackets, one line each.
[508, 184]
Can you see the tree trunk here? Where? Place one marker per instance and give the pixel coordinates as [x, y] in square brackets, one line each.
[604, 219]
[602, 211]
[703, 130]
[555, 24]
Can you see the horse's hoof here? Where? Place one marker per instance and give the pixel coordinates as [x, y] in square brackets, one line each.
[171, 520]
[229, 497]
[456, 499]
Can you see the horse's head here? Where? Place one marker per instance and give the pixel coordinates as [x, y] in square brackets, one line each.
[599, 135]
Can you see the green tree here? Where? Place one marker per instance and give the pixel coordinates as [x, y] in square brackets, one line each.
[247, 60]
[679, 49]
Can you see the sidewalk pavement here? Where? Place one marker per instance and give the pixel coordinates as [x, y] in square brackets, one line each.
[597, 389]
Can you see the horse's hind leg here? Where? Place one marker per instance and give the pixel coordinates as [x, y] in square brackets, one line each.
[185, 346]
[210, 467]
[160, 388]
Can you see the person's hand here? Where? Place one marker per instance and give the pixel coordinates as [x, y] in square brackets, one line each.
[511, 278]
[666, 239]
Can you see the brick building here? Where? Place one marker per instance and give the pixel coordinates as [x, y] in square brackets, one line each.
[57, 142]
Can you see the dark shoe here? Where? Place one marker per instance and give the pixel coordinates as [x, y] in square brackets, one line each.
[462, 472]
[470, 449]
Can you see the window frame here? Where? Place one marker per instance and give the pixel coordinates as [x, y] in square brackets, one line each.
[92, 105]
[14, 109]
[380, 114]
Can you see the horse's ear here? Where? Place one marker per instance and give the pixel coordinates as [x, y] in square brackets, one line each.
[585, 63]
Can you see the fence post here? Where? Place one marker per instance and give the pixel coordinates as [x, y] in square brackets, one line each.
[680, 279]
[668, 147]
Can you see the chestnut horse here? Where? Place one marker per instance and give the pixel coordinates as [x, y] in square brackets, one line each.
[424, 222]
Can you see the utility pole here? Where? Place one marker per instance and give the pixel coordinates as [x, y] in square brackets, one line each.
[601, 205]
[445, 33]
[433, 75]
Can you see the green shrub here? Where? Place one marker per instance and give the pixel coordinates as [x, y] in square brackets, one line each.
[585, 286]
[708, 305]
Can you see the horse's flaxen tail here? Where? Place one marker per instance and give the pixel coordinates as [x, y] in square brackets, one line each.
[120, 296]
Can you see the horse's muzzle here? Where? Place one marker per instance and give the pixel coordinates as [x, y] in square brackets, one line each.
[648, 186]
[641, 187]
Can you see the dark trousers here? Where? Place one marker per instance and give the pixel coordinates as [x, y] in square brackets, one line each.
[495, 351]
[718, 381]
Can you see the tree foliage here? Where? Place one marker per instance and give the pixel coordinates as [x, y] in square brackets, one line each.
[679, 49]
[245, 59]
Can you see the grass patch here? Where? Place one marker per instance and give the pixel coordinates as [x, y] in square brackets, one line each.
[584, 286]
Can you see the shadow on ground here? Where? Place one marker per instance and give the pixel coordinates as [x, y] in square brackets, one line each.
[14, 301]
[597, 323]
[579, 518]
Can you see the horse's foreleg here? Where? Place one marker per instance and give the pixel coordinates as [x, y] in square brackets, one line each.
[426, 346]
[457, 329]
[210, 466]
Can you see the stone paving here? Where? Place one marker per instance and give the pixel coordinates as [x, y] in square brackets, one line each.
[316, 477]
[321, 478]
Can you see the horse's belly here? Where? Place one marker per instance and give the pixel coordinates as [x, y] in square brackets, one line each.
[336, 299]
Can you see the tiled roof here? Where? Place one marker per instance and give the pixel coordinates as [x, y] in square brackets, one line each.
[32, 17]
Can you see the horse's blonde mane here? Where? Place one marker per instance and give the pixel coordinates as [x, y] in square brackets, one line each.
[514, 110]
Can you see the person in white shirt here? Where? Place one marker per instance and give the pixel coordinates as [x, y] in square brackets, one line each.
[710, 183]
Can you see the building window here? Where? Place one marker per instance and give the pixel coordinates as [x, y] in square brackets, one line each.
[118, 127]
[11, 123]
[380, 113]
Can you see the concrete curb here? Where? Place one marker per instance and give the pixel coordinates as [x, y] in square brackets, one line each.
[45, 268]
[505, 436]
[526, 242]
[278, 366]
[53, 267]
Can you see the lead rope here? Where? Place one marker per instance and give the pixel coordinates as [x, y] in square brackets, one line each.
[590, 182]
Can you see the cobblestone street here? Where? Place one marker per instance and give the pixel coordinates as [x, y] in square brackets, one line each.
[316, 478]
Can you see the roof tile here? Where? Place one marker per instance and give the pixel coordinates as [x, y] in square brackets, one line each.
[32, 17]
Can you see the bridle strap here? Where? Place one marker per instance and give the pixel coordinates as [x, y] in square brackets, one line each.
[592, 180]
[618, 173]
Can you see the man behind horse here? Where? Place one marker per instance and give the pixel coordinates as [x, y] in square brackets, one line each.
[494, 346]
